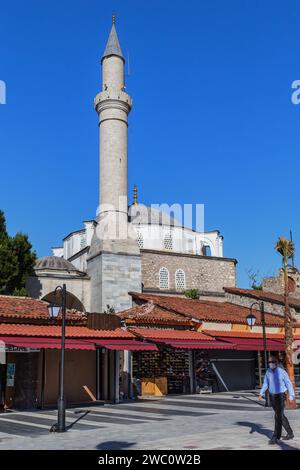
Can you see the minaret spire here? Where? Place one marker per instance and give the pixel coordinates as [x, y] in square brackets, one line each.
[135, 195]
[113, 45]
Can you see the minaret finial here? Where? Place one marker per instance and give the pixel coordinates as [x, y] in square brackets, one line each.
[135, 199]
[113, 18]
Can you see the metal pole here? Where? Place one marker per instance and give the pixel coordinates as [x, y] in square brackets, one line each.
[263, 322]
[98, 373]
[61, 420]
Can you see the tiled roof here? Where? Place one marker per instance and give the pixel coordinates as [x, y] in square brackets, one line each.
[159, 333]
[149, 313]
[263, 295]
[54, 331]
[245, 334]
[241, 334]
[206, 310]
[12, 307]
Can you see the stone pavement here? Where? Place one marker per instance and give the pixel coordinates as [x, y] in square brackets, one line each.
[190, 422]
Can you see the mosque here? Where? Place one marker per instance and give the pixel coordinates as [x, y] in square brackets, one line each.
[128, 247]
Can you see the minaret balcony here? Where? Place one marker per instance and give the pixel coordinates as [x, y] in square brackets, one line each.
[112, 98]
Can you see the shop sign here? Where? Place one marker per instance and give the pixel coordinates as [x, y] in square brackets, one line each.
[19, 349]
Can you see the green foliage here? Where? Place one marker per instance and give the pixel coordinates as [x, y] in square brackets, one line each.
[192, 294]
[3, 232]
[20, 292]
[16, 261]
[285, 248]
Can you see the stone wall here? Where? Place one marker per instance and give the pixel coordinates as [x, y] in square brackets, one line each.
[113, 275]
[40, 286]
[205, 273]
[270, 307]
[276, 284]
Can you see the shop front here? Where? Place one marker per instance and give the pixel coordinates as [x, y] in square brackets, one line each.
[30, 375]
[194, 362]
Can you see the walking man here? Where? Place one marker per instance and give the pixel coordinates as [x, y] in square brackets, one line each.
[277, 382]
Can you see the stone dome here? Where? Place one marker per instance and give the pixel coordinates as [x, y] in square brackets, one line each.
[140, 214]
[54, 263]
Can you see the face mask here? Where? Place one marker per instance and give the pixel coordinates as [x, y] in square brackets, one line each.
[273, 366]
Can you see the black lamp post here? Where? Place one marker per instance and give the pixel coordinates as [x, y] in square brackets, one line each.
[54, 310]
[251, 319]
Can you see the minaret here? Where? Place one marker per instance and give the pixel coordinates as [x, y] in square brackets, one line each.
[113, 263]
[113, 106]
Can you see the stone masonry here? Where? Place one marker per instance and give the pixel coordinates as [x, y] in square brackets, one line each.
[112, 277]
[205, 273]
[270, 307]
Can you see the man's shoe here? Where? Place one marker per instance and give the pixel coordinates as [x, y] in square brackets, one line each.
[273, 441]
[288, 437]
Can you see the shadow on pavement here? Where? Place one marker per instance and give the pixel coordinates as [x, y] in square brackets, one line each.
[78, 419]
[254, 427]
[114, 445]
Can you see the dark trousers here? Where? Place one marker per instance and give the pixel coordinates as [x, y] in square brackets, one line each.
[278, 402]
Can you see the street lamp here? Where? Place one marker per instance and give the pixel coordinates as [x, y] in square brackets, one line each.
[54, 310]
[251, 319]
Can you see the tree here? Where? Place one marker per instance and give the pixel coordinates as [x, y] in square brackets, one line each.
[253, 279]
[286, 249]
[3, 232]
[16, 260]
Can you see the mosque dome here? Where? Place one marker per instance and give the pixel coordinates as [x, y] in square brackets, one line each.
[140, 214]
[149, 215]
[55, 263]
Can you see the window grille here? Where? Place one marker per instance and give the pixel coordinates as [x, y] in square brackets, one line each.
[168, 241]
[163, 278]
[180, 279]
[140, 240]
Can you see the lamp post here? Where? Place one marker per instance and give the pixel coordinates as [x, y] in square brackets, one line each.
[251, 319]
[54, 310]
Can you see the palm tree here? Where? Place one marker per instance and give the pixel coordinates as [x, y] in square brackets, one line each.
[286, 249]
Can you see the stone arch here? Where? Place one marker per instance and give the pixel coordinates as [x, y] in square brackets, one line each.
[73, 303]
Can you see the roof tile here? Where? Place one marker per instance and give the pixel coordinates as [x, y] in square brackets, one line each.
[159, 333]
[29, 308]
[206, 310]
[54, 331]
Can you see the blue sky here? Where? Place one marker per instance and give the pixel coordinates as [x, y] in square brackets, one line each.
[212, 121]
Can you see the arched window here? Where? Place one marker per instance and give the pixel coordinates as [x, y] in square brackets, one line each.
[168, 241]
[140, 240]
[206, 250]
[180, 279]
[291, 284]
[163, 278]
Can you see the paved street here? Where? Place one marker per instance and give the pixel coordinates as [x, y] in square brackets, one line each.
[219, 421]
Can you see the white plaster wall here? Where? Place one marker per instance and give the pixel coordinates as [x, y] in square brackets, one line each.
[153, 239]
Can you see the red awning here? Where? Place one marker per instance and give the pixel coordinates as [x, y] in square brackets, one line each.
[253, 344]
[193, 344]
[46, 343]
[123, 344]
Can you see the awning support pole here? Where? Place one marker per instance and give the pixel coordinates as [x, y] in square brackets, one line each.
[191, 371]
[219, 376]
[98, 373]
